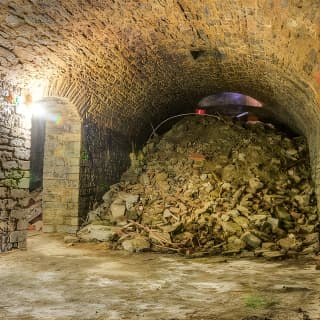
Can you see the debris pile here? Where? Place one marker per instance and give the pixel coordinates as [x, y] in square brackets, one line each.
[34, 205]
[212, 186]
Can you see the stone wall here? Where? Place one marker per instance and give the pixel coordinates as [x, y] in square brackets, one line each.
[60, 199]
[14, 174]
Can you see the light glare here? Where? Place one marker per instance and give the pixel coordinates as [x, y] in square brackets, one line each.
[37, 110]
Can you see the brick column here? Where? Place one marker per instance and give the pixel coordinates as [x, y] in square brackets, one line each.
[61, 166]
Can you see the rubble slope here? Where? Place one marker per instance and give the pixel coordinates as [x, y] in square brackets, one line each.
[211, 186]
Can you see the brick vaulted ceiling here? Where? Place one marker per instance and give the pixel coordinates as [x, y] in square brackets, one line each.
[127, 63]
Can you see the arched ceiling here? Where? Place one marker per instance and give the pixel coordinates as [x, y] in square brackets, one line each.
[126, 63]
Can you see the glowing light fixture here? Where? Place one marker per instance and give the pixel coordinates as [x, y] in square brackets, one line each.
[37, 109]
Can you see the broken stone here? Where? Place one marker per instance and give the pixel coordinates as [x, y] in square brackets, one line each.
[273, 223]
[129, 199]
[241, 221]
[228, 173]
[231, 228]
[137, 244]
[302, 200]
[254, 185]
[167, 213]
[235, 244]
[107, 196]
[272, 254]
[283, 214]
[117, 210]
[94, 232]
[243, 210]
[269, 246]
[307, 228]
[311, 238]
[251, 240]
[313, 248]
[93, 216]
[288, 243]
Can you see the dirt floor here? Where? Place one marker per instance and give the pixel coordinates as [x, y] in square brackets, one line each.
[53, 281]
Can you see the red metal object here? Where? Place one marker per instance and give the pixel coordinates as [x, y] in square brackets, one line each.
[252, 117]
[200, 111]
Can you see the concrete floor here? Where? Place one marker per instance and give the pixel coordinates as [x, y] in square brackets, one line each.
[53, 281]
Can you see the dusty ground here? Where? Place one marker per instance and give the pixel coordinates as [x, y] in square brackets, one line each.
[53, 281]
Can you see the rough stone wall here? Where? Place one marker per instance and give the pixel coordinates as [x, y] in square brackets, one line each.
[60, 199]
[14, 175]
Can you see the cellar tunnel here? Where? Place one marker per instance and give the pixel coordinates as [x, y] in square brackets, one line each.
[126, 68]
[187, 131]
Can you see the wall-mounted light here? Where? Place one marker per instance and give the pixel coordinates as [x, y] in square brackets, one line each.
[25, 101]
[37, 110]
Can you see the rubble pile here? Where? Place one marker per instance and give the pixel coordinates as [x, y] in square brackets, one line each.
[34, 205]
[212, 186]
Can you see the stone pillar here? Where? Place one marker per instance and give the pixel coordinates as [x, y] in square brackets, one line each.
[61, 166]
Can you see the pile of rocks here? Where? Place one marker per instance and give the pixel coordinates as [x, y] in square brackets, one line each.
[34, 216]
[212, 186]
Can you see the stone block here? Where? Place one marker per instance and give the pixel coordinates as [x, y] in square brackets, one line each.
[56, 205]
[4, 141]
[4, 192]
[24, 183]
[7, 149]
[56, 219]
[4, 215]
[22, 153]
[19, 193]
[71, 221]
[18, 236]
[24, 202]
[19, 213]
[5, 154]
[24, 165]
[11, 204]
[22, 245]
[73, 206]
[17, 142]
[67, 229]
[9, 164]
[8, 183]
[22, 224]
[3, 204]
[48, 228]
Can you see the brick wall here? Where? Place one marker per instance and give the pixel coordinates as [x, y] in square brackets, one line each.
[14, 175]
[105, 155]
